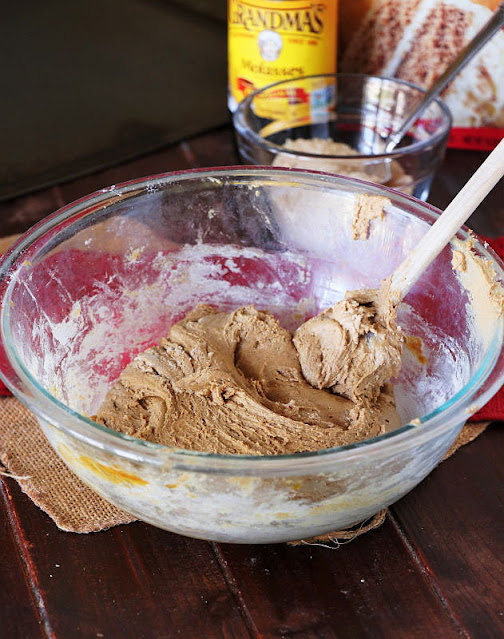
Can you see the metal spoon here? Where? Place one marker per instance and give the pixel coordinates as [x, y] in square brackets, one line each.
[466, 55]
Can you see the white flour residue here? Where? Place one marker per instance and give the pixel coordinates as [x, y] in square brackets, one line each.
[85, 351]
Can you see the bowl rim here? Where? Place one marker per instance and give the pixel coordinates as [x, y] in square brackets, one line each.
[242, 124]
[49, 408]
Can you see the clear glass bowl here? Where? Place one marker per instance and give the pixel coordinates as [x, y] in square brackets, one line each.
[358, 110]
[105, 277]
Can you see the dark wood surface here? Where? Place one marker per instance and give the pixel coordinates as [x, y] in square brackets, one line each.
[434, 569]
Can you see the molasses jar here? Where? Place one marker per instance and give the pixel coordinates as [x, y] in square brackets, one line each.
[273, 40]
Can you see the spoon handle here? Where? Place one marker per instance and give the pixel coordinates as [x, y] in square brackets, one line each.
[465, 56]
[448, 223]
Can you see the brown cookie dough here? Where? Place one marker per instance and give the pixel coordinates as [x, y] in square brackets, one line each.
[368, 207]
[233, 383]
[353, 348]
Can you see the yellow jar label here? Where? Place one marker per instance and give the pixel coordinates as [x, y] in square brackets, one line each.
[273, 40]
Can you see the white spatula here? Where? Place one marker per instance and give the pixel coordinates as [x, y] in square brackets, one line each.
[448, 223]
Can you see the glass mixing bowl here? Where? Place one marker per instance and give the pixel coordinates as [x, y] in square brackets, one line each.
[358, 110]
[100, 280]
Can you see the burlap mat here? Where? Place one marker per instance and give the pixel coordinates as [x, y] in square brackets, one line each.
[27, 457]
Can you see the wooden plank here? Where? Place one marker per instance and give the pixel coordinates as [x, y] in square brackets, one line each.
[172, 158]
[212, 149]
[370, 587]
[19, 214]
[132, 581]
[216, 148]
[20, 616]
[455, 521]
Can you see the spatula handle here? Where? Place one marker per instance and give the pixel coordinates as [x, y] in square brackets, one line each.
[448, 223]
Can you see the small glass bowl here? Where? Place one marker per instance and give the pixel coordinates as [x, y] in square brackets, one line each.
[295, 123]
[105, 277]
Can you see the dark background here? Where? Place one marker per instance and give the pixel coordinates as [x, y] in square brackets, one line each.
[89, 83]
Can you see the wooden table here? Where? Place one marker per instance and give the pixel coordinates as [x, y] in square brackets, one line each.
[434, 569]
